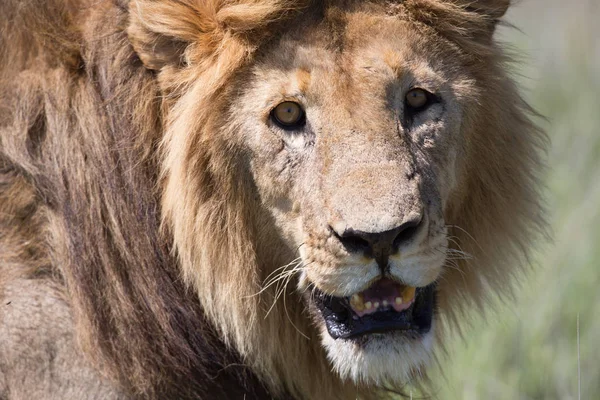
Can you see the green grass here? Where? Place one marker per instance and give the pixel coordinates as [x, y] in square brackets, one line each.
[528, 349]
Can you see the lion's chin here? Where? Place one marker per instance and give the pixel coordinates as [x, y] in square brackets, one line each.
[392, 358]
[380, 336]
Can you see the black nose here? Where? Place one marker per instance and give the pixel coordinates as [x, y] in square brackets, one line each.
[379, 245]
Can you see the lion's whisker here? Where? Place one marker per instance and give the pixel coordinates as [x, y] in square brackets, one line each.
[282, 282]
[468, 234]
[275, 280]
[288, 315]
[455, 267]
[280, 275]
[459, 251]
[283, 267]
[456, 241]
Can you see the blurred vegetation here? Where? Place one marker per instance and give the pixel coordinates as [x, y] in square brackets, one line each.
[528, 350]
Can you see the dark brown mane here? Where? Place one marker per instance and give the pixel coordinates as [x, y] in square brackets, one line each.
[78, 181]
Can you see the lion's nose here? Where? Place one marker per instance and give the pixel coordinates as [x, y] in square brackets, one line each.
[379, 245]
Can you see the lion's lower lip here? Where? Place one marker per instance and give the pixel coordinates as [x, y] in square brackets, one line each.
[342, 321]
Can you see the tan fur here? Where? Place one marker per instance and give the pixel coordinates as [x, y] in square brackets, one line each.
[181, 138]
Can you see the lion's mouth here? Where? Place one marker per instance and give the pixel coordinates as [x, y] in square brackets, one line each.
[384, 307]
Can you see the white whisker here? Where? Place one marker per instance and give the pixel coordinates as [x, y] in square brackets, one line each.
[288, 315]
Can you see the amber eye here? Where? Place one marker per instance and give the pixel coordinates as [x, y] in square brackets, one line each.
[418, 99]
[288, 115]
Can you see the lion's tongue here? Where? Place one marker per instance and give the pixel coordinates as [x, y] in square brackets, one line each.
[382, 295]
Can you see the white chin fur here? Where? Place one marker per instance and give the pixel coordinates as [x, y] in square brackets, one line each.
[389, 359]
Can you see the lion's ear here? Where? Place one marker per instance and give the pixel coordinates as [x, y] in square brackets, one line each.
[160, 32]
[467, 22]
[175, 33]
[491, 10]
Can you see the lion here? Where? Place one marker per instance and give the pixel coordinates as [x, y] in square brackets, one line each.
[227, 199]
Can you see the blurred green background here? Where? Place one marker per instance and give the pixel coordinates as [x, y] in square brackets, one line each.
[528, 350]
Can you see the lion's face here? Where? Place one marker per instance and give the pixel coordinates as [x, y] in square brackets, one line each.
[353, 145]
[375, 153]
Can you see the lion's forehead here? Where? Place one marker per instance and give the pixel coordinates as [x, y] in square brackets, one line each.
[320, 63]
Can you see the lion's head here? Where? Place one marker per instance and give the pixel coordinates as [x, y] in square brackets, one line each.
[336, 180]
[340, 177]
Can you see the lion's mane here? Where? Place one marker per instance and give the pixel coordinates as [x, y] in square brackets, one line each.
[101, 194]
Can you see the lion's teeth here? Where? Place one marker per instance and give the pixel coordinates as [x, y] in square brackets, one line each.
[370, 302]
[357, 303]
[408, 294]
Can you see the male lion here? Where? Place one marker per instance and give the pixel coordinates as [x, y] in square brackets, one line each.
[252, 198]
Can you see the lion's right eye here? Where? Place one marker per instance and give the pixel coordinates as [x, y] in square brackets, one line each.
[289, 115]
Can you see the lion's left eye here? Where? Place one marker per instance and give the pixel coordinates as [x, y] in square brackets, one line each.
[289, 115]
[418, 100]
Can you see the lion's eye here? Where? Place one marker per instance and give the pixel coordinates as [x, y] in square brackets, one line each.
[288, 115]
[418, 99]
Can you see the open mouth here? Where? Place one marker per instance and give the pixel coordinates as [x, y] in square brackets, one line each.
[384, 307]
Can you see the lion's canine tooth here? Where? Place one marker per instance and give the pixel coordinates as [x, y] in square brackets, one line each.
[368, 305]
[408, 293]
[398, 300]
[356, 302]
